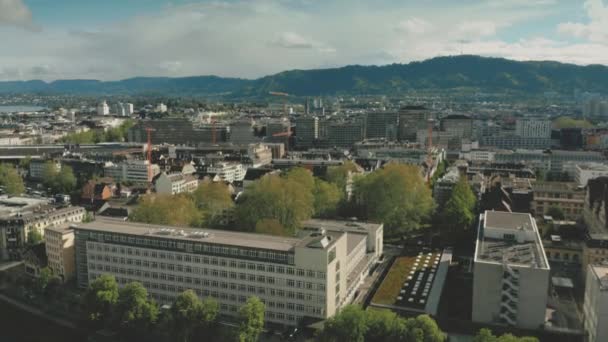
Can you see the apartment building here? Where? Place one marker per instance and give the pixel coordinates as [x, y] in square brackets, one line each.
[175, 183]
[596, 303]
[228, 172]
[311, 276]
[511, 271]
[15, 228]
[584, 172]
[59, 244]
[135, 171]
[564, 195]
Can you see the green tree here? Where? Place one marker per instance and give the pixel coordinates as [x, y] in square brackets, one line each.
[270, 227]
[326, 198]
[396, 195]
[45, 280]
[568, 122]
[189, 313]
[338, 175]
[459, 210]
[135, 313]
[273, 197]
[212, 199]
[348, 325]
[11, 180]
[34, 237]
[302, 176]
[176, 210]
[25, 162]
[382, 325]
[423, 328]
[556, 212]
[252, 320]
[485, 335]
[66, 181]
[100, 299]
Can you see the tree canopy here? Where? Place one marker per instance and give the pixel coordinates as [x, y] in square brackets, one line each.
[100, 298]
[353, 323]
[212, 198]
[338, 175]
[568, 122]
[395, 195]
[134, 311]
[459, 210]
[252, 320]
[485, 335]
[189, 313]
[556, 213]
[11, 180]
[94, 136]
[176, 210]
[60, 180]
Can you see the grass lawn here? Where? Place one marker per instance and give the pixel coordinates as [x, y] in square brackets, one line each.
[391, 285]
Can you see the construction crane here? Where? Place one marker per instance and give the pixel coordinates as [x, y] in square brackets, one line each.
[285, 96]
[149, 131]
[285, 134]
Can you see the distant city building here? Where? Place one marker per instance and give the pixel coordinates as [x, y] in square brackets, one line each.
[595, 306]
[595, 106]
[37, 167]
[241, 133]
[175, 183]
[124, 109]
[382, 125]
[458, 125]
[512, 141]
[584, 172]
[533, 128]
[307, 131]
[227, 172]
[568, 197]
[341, 133]
[411, 120]
[103, 109]
[553, 161]
[511, 272]
[309, 276]
[135, 171]
[161, 108]
[177, 132]
[259, 154]
[59, 243]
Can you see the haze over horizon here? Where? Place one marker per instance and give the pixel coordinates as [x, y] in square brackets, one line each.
[113, 40]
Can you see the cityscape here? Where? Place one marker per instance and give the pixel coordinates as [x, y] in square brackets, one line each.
[221, 178]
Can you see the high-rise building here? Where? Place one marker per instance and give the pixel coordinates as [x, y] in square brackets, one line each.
[241, 133]
[128, 109]
[381, 125]
[342, 133]
[511, 271]
[307, 131]
[458, 125]
[596, 303]
[412, 119]
[103, 108]
[533, 128]
[312, 275]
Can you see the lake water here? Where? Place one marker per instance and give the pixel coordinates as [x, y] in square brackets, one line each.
[11, 109]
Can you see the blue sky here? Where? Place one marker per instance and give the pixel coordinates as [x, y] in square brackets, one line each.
[116, 39]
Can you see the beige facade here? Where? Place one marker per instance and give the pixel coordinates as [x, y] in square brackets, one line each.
[310, 276]
[566, 196]
[596, 304]
[59, 243]
[175, 183]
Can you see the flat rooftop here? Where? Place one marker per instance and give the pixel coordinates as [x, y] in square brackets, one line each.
[506, 220]
[601, 273]
[342, 226]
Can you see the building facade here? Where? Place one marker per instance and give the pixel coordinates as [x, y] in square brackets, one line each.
[595, 307]
[228, 172]
[511, 271]
[311, 276]
[584, 172]
[563, 195]
[533, 128]
[175, 183]
[135, 171]
[59, 244]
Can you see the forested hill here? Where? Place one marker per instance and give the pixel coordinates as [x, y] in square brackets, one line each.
[441, 73]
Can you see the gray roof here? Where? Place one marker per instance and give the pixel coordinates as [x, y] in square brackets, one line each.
[506, 220]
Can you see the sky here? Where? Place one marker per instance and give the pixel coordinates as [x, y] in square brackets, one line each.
[117, 39]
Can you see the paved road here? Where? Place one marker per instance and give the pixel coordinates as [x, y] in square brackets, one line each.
[35, 311]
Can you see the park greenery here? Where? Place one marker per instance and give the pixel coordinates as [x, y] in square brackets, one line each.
[11, 180]
[94, 136]
[485, 335]
[353, 323]
[395, 195]
[136, 317]
[568, 122]
[59, 180]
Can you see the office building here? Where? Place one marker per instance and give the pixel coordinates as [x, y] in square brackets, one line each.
[307, 131]
[177, 132]
[241, 133]
[382, 125]
[227, 172]
[16, 227]
[511, 272]
[135, 171]
[568, 197]
[124, 109]
[175, 183]
[342, 134]
[259, 154]
[586, 171]
[59, 244]
[554, 161]
[161, 108]
[311, 276]
[513, 141]
[595, 307]
[37, 167]
[458, 125]
[411, 120]
[103, 109]
[533, 128]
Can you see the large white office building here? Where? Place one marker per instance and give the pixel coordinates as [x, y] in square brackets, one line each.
[511, 272]
[309, 276]
[135, 171]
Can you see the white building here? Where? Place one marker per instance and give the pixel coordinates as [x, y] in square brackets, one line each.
[175, 183]
[533, 128]
[511, 271]
[128, 108]
[228, 172]
[161, 108]
[309, 276]
[103, 108]
[596, 304]
[584, 172]
[259, 154]
[135, 171]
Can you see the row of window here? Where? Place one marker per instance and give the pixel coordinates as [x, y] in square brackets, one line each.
[207, 260]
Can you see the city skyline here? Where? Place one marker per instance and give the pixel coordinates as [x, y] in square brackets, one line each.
[115, 40]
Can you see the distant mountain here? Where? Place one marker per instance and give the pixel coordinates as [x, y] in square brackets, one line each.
[441, 73]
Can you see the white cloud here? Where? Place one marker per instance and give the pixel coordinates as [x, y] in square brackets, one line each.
[15, 13]
[596, 30]
[252, 38]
